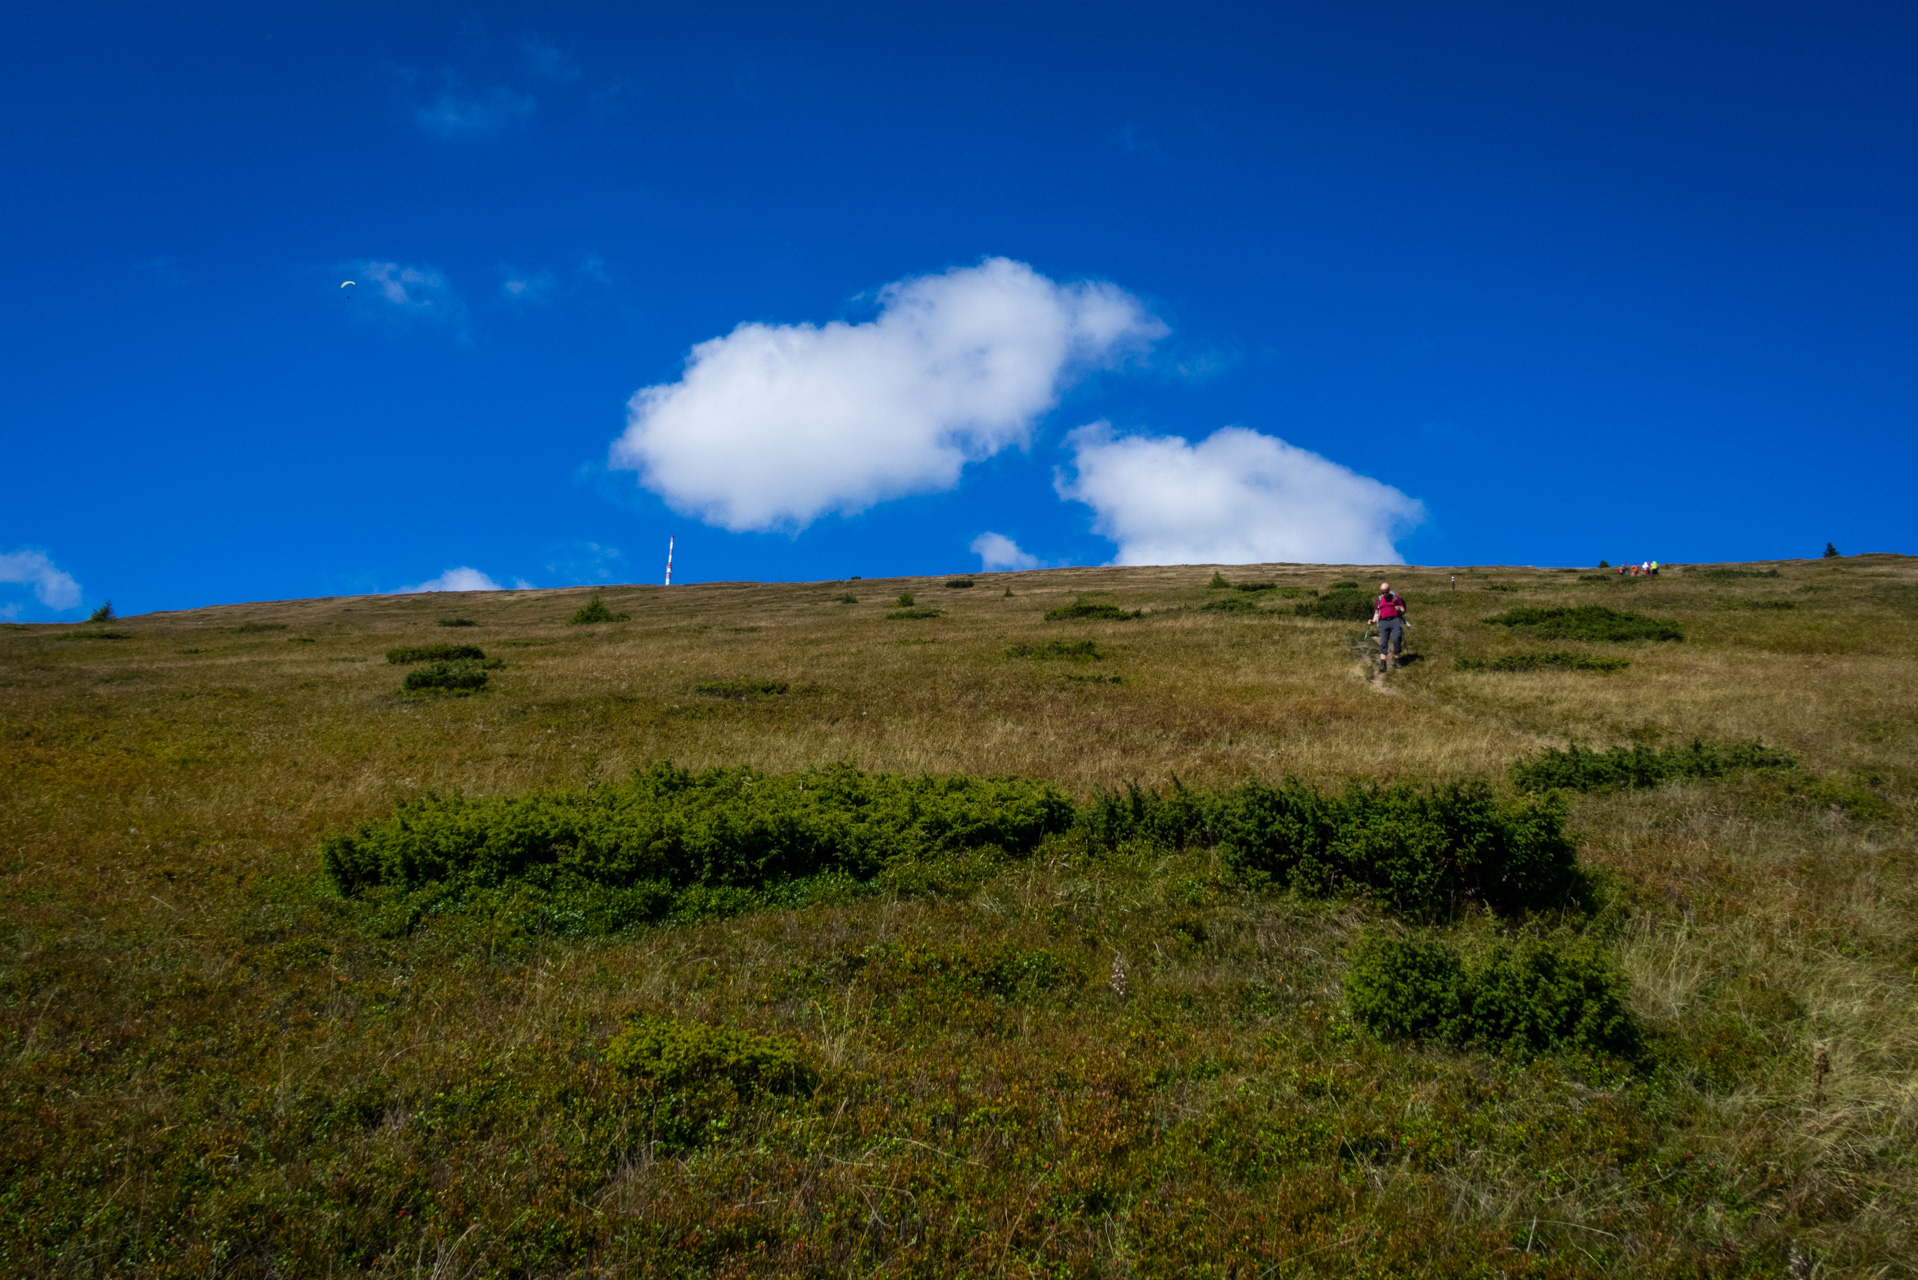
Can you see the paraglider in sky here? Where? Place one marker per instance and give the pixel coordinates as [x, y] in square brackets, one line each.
[344, 283]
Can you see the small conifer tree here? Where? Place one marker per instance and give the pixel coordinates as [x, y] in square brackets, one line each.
[1831, 552]
[103, 614]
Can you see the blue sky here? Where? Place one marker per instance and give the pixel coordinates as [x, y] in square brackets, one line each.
[1475, 283]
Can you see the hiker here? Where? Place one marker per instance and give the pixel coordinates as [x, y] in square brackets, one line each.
[1389, 614]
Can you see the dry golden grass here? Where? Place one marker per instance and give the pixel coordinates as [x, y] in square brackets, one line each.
[190, 1092]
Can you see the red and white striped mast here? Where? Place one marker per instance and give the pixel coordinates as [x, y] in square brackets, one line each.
[669, 560]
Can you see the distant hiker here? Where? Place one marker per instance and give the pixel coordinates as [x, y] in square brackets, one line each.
[1654, 568]
[1389, 613]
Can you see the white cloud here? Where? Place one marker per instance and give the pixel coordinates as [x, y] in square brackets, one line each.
[996, 551]
[414, 293]
[453, 115]
[460, 579]
[52, 586]
[1236, 497]
[773, 426]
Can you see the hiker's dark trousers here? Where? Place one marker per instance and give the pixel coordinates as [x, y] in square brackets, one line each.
[1391, 635]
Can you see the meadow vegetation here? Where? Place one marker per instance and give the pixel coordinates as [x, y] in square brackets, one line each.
[967, 956]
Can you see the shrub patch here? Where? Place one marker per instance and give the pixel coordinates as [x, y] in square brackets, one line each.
[406, 655]
[742, 690]
[1524, 998]
[1635, 768]
[1091, 610]
[594, 610]
[1556, 660]
[1073, 650]
[445, 677]
[1339, 603]
[906, 615]
[1587, 622]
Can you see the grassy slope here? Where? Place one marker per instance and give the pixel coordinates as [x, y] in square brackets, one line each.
[212, 1065]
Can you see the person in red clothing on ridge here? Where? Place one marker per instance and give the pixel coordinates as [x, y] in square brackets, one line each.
[1389, 614]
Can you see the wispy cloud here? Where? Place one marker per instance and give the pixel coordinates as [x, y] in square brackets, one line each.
[52, 586]
[998, 552]
[456, 115]
[460, 579]
[773, 426]
[549, 63]
[583, 562]
[402, 291]
[1236, 497]
[527, 286]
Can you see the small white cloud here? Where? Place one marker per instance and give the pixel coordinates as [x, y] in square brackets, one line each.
[460, 579]
[582, 562]
[996, 551]
[543, 59]
[527, 286]
[773, 426]
[1236, 497]
[409, 292]
[455, 116]
[52, 586]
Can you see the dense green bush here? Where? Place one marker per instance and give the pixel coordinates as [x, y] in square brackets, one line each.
[1338, 604]
[445, 677]
[1218, 581]
[907, 615]
[594, 610]
[1075, 650]
[457, 622]
[1425, 852]
[104, 613]
[1634, 768]
[1587, 622]
[1522, 998]
[1091, 610]
[1553, 661]
[690, 843]
[406, 655]
[1231, 604]
[694, 1078]
[743, 690]
[1255, 586]
[957, 584]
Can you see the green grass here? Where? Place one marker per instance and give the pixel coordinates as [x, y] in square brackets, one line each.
[915, 613]
[446, 677]
[816, 1038]
[741, 690]
[457, 622]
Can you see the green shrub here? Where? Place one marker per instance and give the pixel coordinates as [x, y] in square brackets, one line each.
[922, 611]
[96, 635]
[1074, 650]
[446, 677]
[1090, 610]
[103, 614]
[1554, 661]
[955, 584]
[1831, 552]
[1636, 768]
[457, 622]
[694, 1078]
[1091, 679]
[1587, 622]
[846, 598]
[1338, 605]
[594, 610]
[999, 972]
[301, 640]
[678, 838]
[1756, 604]
[408, 654]
[1604, 564]
[905, 600]
[1426, 852]
[1231, 604]
[1218, 581]
[1524, 998]
[254, 628]
[1343, 586]
[1255, 586]
[743, 690]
